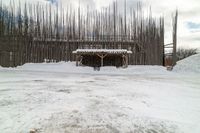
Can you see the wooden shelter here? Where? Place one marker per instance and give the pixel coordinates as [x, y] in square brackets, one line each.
[102, 57]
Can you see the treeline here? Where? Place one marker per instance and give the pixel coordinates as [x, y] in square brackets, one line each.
[183, 53]
[23, 25]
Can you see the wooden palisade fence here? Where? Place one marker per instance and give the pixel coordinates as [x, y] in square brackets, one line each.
[38, 33]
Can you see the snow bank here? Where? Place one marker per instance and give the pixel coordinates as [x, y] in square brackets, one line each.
[70, 67]
[189, 65]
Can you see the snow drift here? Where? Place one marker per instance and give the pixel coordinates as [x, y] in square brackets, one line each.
[190, 64]
[70, 67]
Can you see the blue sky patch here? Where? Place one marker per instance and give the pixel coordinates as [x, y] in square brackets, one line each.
[192, 25]
[52, 1]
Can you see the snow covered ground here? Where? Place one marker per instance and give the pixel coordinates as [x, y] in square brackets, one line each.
[62, 98]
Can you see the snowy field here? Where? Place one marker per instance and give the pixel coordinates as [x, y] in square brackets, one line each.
[62, 98]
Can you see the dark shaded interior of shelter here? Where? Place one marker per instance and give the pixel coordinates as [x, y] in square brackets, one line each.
[95, 60]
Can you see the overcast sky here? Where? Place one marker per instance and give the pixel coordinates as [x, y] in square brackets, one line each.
[188, 21]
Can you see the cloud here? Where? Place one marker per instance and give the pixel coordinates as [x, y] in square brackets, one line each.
[189, 11]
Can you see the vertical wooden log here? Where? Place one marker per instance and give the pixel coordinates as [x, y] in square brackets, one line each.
[126, 60]
[175, 37]
[102, 61]
[76, 59]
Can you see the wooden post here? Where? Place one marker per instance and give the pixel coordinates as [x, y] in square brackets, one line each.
[81, 60]
[126, 60]
[76, 59]
[175, 19]
[102, 61]
[123, 60]
[102, 56]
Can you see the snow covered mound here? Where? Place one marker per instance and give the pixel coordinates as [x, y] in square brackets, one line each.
[70, 67]
[190, 64]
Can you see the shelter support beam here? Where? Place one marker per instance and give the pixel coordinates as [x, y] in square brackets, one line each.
[79, 59]
[102, 56]
[125, 60]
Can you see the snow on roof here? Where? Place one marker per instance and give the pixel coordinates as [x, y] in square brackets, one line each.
[110, 51]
